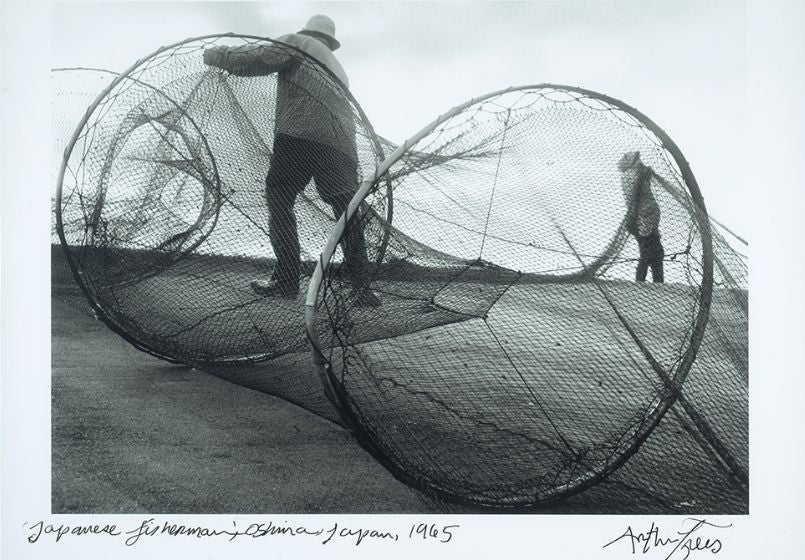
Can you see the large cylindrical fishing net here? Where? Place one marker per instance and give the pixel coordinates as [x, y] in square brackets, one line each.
[515, 360]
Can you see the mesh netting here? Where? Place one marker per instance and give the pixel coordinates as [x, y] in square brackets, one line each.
[162, 198]
[515, 360]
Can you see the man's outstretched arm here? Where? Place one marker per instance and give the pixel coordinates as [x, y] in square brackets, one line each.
[248, 60]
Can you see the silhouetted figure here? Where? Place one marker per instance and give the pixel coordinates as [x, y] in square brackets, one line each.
[314, 138]
[642, 215]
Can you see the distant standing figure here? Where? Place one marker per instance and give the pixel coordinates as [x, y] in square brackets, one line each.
[314, 138]
[642, 215]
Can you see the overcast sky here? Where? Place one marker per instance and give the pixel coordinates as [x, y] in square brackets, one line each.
[681, 62]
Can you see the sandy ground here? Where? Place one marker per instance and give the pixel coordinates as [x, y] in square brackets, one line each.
[131, 433]
[134, 434]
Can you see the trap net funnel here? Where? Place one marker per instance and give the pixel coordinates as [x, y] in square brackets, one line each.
[161, 200]
[515, 360]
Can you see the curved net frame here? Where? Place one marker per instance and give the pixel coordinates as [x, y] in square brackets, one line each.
[161, 205]
[515, 361]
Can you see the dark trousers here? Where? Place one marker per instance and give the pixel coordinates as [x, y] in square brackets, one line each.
[294, 162]
[651, 255]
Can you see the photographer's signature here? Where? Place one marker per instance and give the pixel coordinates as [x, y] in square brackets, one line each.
[695, 535]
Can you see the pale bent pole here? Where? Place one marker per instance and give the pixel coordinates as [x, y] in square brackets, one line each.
[671, 386]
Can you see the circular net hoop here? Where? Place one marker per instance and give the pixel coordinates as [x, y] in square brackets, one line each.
[161, 202]
[515, 360]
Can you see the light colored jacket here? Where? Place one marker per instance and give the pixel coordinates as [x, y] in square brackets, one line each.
[309, 105]
[642, 210]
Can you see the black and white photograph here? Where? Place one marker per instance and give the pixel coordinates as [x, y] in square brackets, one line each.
[360, 278]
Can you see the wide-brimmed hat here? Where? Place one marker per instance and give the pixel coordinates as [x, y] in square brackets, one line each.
[628, 160]
[323, 27]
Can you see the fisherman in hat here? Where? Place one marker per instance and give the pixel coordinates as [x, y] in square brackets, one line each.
[314, 137]
[642, 215]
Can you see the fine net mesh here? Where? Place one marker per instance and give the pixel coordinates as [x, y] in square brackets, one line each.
[515, 360]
